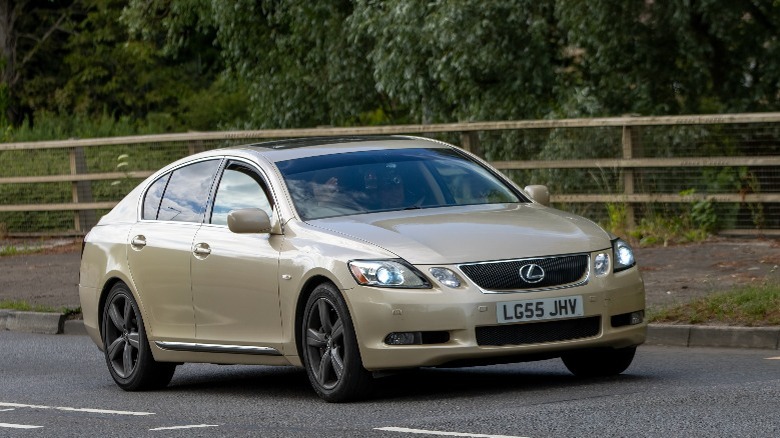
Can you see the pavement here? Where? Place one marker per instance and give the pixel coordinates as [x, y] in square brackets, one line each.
[51, 278]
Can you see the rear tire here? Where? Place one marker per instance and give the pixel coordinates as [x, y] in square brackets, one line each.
[599, 362]
[330, 351]
[126, 347]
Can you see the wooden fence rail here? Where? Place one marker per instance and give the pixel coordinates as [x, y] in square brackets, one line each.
[84, 208]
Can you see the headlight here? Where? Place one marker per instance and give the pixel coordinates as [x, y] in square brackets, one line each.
[601, 264]
[446, 277]
[624, 255]
[387, 273]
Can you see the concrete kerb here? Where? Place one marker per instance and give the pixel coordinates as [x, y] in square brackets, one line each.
[657, 334]
[714, 336]
[32, 322]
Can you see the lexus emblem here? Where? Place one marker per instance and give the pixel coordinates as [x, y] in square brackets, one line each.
[531, 273]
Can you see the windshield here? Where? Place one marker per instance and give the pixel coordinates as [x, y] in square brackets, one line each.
[389, 179]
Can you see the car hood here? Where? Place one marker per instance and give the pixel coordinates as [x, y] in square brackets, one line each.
[452, 235]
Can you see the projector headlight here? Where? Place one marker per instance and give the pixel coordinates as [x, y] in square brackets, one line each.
[387, 273]
[601, 264]
[446, 277]
[624, 255]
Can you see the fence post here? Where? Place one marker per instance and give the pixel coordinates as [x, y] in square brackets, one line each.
[83, 220]
[628, 174]
[195, 147]
[470, 141]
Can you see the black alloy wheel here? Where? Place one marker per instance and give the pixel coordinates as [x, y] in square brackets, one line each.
[330, 350]
[126, 348]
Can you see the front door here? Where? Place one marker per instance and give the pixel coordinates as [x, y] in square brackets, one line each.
[235, 284]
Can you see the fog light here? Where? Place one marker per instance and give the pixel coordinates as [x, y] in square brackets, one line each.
[637, 317]
[403, 338]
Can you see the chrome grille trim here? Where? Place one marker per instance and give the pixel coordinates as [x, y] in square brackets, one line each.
[580, 280]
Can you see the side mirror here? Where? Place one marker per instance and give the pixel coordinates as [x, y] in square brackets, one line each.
[249, 220]
[539, 194]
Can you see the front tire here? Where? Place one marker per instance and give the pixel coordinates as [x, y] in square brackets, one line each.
[126, 347]
[599, 363]
[330, 350]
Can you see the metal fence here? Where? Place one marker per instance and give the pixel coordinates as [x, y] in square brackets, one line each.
[726, 166]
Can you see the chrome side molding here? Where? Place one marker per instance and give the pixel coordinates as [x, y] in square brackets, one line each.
[218, 348]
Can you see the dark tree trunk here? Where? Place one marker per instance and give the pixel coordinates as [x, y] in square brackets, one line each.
[8, 99]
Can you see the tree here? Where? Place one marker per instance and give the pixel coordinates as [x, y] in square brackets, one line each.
[698, 56]
[464, 60]
[31, 40]
[294, 57]
[109, 71]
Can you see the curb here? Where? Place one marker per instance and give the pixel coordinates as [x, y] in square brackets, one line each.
[714, 336]
[671, 335]
[32, 322]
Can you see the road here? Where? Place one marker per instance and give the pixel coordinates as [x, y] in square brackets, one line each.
[58, 386]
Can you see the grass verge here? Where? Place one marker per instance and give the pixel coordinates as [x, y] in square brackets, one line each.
[13, 250]
[24, 306]
[748, 306]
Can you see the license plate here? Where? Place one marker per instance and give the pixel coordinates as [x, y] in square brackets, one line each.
[538, 310]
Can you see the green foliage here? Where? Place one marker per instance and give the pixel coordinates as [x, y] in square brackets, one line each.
[690, 222]
[465, 60]
[24, 306]
[703, 216]
[343, 62]
[617, 218]
[34, 35]
[751, 306]
[676, 57]
[125, 77]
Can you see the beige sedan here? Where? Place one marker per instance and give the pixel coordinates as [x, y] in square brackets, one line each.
[349, 256]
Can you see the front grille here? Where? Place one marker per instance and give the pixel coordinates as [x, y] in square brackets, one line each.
[559, 271]
[538, 332]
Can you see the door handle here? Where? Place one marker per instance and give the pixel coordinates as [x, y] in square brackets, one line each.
[202, 249]
[138, 242]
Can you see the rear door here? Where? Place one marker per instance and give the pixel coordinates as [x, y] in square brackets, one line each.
[160, 248]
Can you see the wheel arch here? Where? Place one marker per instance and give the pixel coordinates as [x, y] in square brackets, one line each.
[300, 306]
[306, 291]
[107, 286]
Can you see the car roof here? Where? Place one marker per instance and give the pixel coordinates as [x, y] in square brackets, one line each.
[281, 150]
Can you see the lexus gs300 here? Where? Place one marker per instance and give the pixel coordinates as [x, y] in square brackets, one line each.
[350, 256]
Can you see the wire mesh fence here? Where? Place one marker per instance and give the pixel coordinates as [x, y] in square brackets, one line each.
[723, 168]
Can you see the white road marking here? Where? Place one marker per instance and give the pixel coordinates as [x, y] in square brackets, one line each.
[192, 426]
[6, 410]
[62, 408]
[773, 358]
[104, 411]
[19, 426]
[440, 433]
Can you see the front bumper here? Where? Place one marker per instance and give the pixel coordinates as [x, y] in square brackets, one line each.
[462, 313]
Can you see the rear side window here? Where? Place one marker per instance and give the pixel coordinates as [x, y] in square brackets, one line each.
[154, 196]
[185, 194]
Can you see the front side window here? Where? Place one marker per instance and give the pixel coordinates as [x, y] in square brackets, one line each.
[187, 192]
[240, 187]
[391, 179]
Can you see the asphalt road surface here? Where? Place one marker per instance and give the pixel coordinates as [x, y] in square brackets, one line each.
[59, 386]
